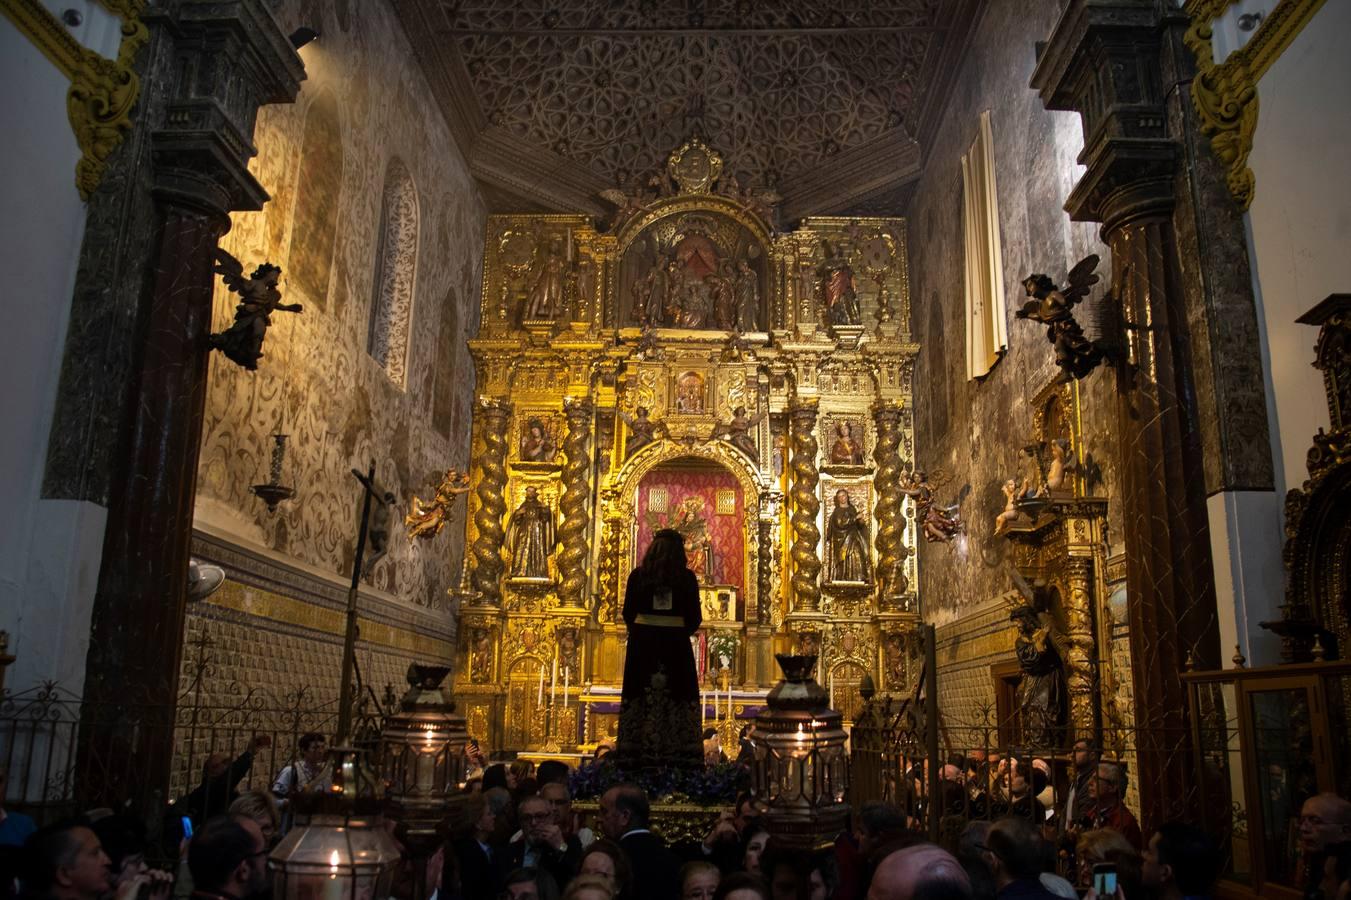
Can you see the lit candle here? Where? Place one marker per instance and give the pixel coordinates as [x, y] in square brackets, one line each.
[553, 681]
[539, 700]
[426, 763]
[333, 889]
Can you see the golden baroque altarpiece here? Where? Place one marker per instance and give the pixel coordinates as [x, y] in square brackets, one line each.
[693, 368]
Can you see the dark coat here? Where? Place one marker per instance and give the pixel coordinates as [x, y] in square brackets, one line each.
[561, 865]
[659, 637]
[480, 875]
[656, 870]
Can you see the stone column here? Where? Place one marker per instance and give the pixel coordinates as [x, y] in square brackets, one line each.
[572, 533]
[230, 60]
[806, 506]
[1103, 61]
[890, 524]
[494, 419]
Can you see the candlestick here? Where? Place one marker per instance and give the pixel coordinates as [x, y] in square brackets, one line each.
[703, 710]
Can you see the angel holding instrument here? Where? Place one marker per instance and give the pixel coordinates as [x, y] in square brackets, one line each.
[242, 342]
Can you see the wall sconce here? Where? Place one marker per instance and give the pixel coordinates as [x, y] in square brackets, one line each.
[800, 768]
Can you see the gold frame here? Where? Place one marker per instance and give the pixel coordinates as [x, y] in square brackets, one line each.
[1225, 94]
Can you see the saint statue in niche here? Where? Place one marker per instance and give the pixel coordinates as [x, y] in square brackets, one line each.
[847, 450]
[480, 655]
[847, 538]
[747, 285]
[839, 288]
[537, 444]
[693, 527]
[545, 299]
[723, 293]
[642, 430]
[531, 538]
[690, 393]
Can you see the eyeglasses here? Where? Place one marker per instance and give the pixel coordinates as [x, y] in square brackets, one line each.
[536, 817]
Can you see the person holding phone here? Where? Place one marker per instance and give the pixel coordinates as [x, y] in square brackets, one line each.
[1180, 861]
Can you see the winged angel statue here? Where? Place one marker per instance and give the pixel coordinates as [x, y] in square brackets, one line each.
[1075, 354]
[242, 342]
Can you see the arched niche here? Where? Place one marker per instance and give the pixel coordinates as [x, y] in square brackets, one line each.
[701, 265]
[395, 272]
[318, 190]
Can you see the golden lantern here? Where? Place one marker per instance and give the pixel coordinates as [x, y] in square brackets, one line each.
[422, 751]
[800, 769]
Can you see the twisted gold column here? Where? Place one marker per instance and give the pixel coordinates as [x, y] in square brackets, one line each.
[607, 579]
[806, 506]
[1080, 666]
[576, 491]
[492, 506]
[890, 526]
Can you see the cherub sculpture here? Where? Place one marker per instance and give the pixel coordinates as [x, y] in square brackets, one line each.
[427, 519]
[737, 431]
[940, 524]
[242, 342]
[1075, 354]
[1010, 513]
[1062, 464]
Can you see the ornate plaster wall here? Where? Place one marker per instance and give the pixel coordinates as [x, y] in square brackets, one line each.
[364, 110]
[972, 431]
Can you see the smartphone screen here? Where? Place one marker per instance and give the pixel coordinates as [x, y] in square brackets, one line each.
[1104, 879]
[187, 827]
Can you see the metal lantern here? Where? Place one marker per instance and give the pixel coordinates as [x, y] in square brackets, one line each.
[801, 769]
[334, 857]
[422, 751]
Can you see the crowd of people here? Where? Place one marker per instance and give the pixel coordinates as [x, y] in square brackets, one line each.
[514, 834]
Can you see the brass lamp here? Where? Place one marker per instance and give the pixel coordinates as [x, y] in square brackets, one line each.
[800, 769]
[422, 750]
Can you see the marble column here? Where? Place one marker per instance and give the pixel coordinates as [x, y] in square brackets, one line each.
[231, 59]
[576, 524]
[494, 418]
[1103, 61]
[806, 506]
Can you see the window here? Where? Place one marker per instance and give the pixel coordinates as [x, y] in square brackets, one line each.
[395, 267]
[986, 331]
[317, 192]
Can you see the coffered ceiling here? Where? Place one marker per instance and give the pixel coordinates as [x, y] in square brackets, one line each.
[826, 103]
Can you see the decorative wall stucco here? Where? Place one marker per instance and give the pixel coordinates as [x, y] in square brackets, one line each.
[316, 379]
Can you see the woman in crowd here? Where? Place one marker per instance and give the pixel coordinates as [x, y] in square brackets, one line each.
[699, 881]
[606, 860]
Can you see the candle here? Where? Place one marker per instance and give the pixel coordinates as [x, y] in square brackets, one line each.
[703, 709]
[333, 888]
[832, 690]
[539, 700]
[553, 681]
[566, 681]
[569, 245]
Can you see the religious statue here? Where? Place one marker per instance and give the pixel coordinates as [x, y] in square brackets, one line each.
[530, 534]
[847, 450]
[940, 524]
[893, 644]
[723, 293]
[545, 299]
[1075, 354]
[1041, 692]
[1010, 513]
[847, 538]
[480, 655]
[737, 432]
[536, 444]
[693, 527]
[690, 393]
[642, 430]
[242, 342]
[839, 288]
[427, 519]
[747, 286]
[650, 293]
[1062, 463]
[567, 648]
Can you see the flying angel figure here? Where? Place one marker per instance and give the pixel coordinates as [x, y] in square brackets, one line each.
[242, 342]
[1075, 354]
[428, 518]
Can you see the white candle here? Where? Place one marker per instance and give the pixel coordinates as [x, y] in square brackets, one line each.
[539, 700]
[703, 709]
[566, 681]
[553, 681]
[832, 690]
[333, 890]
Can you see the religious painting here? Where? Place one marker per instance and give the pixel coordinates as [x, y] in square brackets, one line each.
[714, 544]
[848, 533]
[689, 393]
[537, 442]
[844, 440]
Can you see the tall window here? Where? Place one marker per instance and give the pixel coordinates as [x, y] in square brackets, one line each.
[395, 268]
[986, 331]
[317, 192]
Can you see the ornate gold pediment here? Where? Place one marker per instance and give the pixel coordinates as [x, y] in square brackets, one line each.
[695, 166]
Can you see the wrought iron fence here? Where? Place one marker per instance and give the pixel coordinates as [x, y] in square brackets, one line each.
[41, 729]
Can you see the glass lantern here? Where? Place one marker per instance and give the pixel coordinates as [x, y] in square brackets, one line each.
[422, 752]
[800, 770]
[334, 857]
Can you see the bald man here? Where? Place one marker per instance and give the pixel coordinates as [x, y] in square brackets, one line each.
[1324, 819]
[920, 872]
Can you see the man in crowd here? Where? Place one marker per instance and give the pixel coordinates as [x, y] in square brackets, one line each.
[220, 781]
[920, 872]
[1107, 810]
[66, 862]
[551, 771]
[722, 845]
[308, 773]
[1017, 856]
[624, 818]
[543, 845]
[14, 827]
[1181, 861]
[557, 795]
[1085, 759]
[228, 859]
[1324, 821]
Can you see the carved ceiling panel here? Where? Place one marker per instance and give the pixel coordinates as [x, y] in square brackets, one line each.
[597, 92]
